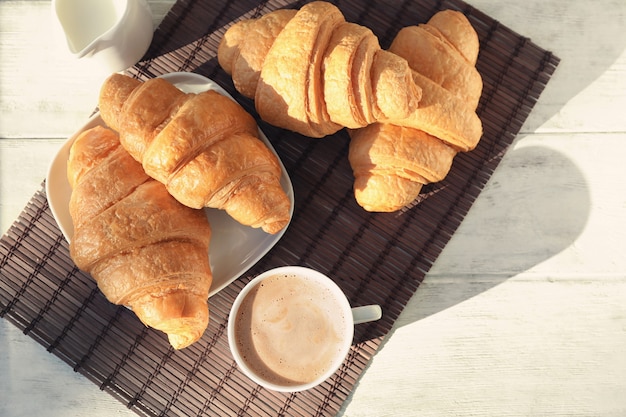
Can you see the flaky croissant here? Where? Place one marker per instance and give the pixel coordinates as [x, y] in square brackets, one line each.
[143, 248]
[203, 147]
[442, 54]
[393, 160]
[391, 164]
[312, 72]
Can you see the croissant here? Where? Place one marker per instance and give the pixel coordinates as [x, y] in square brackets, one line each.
[442, 54]
[203, 147]
[311, 72]
[144, 249]
[391, 161]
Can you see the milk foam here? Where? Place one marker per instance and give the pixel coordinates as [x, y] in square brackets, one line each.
[290, 329]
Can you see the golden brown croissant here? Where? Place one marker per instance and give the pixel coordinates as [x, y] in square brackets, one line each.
[442, 54]
[203, 147]
[391, 161]
[143, 248]
[312, 72]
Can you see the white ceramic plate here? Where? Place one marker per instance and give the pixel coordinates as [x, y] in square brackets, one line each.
[234, 249]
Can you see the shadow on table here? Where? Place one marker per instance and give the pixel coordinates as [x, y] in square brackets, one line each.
[528, 213]
[541, 205]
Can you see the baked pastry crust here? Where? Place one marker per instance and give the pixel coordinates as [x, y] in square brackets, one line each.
[143, 248]
[203, 147]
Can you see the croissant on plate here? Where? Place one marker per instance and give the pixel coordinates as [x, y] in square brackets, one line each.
[203, 147]
[311, 72]
[391, 161]
[143, 248]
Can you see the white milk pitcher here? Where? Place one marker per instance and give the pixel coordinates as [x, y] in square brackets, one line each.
[115, 33]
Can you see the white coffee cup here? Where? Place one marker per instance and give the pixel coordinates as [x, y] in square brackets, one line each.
[291, 328]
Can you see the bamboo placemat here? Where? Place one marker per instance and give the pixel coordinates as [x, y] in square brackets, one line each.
[375, 258]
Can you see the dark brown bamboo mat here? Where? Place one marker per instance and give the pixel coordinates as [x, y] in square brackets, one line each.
[375, 258]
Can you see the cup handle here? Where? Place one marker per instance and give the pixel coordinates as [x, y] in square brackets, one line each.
[365, 314]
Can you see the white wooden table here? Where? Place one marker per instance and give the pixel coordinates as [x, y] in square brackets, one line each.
[526, 317]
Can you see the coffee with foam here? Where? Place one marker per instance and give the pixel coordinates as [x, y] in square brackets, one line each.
[290, 329]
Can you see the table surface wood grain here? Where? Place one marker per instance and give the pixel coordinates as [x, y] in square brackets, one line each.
[524, 312]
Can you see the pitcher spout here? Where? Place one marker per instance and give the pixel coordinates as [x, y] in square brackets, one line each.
[115, 32]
